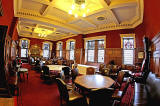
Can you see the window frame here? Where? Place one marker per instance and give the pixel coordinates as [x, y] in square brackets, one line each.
[88, 49]
[27, 48]
[46, 49]
[50, 49]
[60, 50]
[71, 50]
[98, 51]
[103, 37]
[128, 36]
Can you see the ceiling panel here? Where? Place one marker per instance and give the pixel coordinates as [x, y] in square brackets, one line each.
[107, 18]
[101, 15]
[121, 12]
[31, 5]
[82, 23]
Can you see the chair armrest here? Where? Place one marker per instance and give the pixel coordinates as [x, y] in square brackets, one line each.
[69, 87]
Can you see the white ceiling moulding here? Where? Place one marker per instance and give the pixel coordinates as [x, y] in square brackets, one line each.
[117, 14]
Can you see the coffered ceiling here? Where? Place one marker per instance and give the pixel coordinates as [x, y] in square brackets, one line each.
[101, 15]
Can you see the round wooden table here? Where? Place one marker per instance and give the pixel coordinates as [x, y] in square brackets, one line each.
[94, 81]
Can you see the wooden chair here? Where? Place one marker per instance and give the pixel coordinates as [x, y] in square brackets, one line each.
[119, 80]
[59, 62]
[101, 69]
[74, 74]
[118, 94]
[66, 71]
[90, 71]
[69, 98]
[46, 74]
[100, 97]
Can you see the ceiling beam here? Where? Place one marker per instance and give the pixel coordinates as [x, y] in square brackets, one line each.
[49, 22]
[123, 3]
[42, 2]
[49, 6]
[105, 5]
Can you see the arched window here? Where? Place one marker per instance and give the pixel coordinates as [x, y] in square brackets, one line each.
[70, 48]
[24, 44]
[59, 49]
[47, 48]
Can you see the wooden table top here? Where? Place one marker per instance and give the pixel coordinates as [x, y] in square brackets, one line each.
[94, 81]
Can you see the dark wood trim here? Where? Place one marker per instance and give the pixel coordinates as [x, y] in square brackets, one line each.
[3, 32]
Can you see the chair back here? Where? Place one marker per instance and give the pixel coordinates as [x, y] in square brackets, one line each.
[90, 71]
[125, 88]
[101, 67]
[66, 71]
[64, 96]
[120, 77]
[59, 62]
[45, 70]
[100, 96]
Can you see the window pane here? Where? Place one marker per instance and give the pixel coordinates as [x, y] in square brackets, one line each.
[71, 52]
[128, 56]
[91, 45]
[128, 43]
[71, 55]
[46, 46]
[72, 44]
[91, 55]
[60, 46]
[128, 50]
[100, 55]
[100, 44]
[46, 53]
[24, 43]
[24, 52]
[60, 50]
[60, 53]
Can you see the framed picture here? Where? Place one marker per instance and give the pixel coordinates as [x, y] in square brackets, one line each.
[140, 55]
[7, 49]
[1, 10]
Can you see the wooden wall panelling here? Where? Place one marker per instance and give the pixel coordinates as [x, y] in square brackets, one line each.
[113, 54]
[3, 31]
[78, 56]
[155, 60]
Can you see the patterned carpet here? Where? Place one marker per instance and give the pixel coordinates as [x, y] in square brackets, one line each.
[34, 92]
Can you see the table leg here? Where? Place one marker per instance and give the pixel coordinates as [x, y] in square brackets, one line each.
[27, 75]
[23, 74]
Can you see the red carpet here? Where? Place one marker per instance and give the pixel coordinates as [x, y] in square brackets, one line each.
[34, 92]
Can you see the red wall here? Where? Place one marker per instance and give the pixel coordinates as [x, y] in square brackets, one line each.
[34, 41]
[112, 37]
[79, 41]
[152, 17]
[6, 19]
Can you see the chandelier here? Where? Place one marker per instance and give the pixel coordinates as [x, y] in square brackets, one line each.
[43, 32]
[42, 35]
[78, 8]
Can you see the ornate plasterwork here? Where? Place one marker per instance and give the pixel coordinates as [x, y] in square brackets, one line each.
[118, 14]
